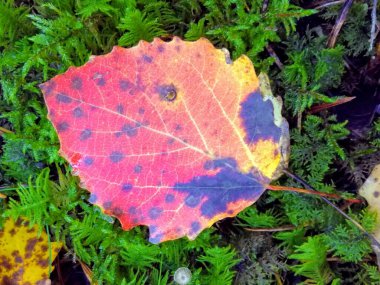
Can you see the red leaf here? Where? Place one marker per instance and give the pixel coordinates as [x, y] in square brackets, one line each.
[170, 135]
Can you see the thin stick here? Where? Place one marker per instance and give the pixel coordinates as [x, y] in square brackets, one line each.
[373, 25]
[264, 7]
[339, 23]
[279, 229]
[4, 130]
[273, 54]
[312, 192]
[359, 226]
[324, 106]
[58, 267]
[324, 5]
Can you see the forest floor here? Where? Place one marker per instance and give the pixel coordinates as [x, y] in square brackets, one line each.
[323, 60]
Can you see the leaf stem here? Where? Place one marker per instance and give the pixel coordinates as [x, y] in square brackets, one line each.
[312, 192]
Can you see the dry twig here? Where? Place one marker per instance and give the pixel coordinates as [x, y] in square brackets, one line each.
[278, 229]
[327, 4]
[273, 54]
[373, 25]
[339, 23]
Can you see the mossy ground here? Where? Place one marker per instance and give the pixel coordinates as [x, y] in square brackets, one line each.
[333, 149]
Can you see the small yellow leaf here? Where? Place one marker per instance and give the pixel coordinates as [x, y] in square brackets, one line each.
[370, 190]
[24, 255]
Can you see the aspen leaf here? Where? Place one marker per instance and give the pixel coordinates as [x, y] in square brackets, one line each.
[24, 255]
[171, 135]
[370, 190]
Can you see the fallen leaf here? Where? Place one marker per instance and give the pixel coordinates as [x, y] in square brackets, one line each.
[24, 255]
[172, 135]
[370, 190]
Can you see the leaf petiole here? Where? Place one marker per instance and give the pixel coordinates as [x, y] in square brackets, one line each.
[312, 192]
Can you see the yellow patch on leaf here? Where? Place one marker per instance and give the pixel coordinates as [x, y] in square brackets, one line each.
[24, 255]
[267, 156]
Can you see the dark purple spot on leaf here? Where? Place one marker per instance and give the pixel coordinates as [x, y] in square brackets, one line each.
[178, 127]
[118, 134]
[167, 92]
[48, 88]
[93, 198]
[116, 156]
[129, 130]
[63, 98]
[169, 198]
[155, 212]
[120, 109]
[132, 210]
[88, 160]
[137, 169]
[101, 81]
[78, 112]
[141, 111]
[161, 48]
[193, 200]
[62, 126]
[76, 83]
[126, 186]
[85, 134]
[147, 58]
[140, 83]
[124, 85]
[156, 239]
[117, 211]
[195, 227]
[107, 205]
